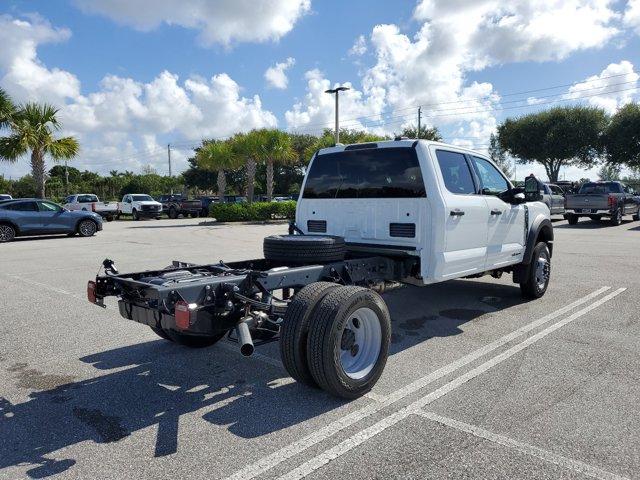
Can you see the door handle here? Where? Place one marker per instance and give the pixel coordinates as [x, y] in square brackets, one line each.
[456, 213]
[496, 212]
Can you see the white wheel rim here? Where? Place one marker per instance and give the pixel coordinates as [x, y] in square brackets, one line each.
[543, 270]
[360, 343]
[87, 228]
[6, 233]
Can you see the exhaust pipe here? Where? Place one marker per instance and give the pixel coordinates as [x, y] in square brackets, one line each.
[244, 337]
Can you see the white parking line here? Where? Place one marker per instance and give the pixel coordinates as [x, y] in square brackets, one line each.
[272, 460]
[359, 438]
[41, 285]
[525, 448]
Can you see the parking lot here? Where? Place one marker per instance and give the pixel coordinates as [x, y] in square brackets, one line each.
[479, 384]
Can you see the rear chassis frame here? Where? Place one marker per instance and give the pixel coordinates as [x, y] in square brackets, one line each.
[230, 293]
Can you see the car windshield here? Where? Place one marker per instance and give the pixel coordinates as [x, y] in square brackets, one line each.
[141, 198]
[87, 198]
[600, 188]
[366, 173]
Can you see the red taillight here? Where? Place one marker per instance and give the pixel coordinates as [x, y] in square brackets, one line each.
[91, 291]
[183, 315]
[93, 207]
[612, 200]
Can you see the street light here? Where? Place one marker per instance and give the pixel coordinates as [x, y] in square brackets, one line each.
[336, 91]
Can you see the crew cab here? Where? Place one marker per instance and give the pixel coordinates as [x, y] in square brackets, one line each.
[89, 202]
[140, 205]
[602, 199]
[410, 211]
[175, 204]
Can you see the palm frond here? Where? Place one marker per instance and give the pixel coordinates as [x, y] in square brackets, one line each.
[12, 148]
[63, 148]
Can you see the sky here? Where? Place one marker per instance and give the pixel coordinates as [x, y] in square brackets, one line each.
[132, 76]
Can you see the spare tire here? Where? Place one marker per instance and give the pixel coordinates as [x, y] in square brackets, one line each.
[304, 249]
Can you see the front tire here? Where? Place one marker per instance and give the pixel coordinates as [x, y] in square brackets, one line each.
[616, 218]
[7, 233]
[348, 342]
[87, 228]
[636, 216]
[538, 273]
[135, 215]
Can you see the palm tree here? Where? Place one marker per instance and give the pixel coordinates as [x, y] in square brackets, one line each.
[218, 156]
[247, 146]
[275, 147]
[7, 109]
[32, 129]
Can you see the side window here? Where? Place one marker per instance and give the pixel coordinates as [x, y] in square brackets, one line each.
[455, 172]
[23, 207]
[492, 181]
[48, 207]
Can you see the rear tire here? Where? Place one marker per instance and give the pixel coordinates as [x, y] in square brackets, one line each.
[194, 341]
[304, 249]
[87, 228]
[295, 330]
[636, 216]
[7, 233]
[348, 342]
[538, 273]
[572, 219]
[616, 218]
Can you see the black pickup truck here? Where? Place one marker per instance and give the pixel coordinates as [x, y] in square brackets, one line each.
[175, 204]
[602, 199]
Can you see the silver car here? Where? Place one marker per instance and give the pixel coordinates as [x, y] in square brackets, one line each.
[32, 216]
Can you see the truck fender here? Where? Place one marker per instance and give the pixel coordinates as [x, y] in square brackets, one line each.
[541, 230]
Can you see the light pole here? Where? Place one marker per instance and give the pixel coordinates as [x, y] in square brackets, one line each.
[337, 91]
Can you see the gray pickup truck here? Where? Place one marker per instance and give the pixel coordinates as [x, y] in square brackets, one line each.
[602, 199]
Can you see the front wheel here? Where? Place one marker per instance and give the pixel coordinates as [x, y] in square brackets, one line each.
[135, 215]
[87, 228]
[7, 233]
[348, 342]
[538, 274]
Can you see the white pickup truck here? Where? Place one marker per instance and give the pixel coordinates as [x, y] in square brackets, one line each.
[409, 211]
[140, 205]
[91, 203]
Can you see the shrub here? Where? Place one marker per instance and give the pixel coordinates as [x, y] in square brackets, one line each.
[257, 211]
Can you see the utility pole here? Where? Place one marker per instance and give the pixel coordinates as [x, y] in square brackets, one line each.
[169, 156]
[419, 118]
[66, 178]
[336, 92]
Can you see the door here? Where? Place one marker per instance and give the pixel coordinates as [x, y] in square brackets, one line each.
[630, 206]
[557, 199]
[126, 204]
[26, 216]
[464, 243]
[505, 222]
[54, 218]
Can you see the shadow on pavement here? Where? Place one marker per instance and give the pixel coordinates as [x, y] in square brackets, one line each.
[157, 382]
[591, 224]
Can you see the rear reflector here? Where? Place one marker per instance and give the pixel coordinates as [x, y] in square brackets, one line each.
[182, 315]
[91, 291]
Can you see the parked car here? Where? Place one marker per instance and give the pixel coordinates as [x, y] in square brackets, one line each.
[5, 196]
[175, 205]
[416, 212]
[206, 201]
[602, 199]
[90, 202]
[140, 205]
[552, 197]
[31, 216]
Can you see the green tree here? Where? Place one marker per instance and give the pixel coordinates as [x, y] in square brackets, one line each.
[622, 137]
[218, 156]
[426, 133]
[556, 138]
[247, 147]
[275, 146]
[609, 172]
[347, 136]
[32, 129]
[499, 156]
[7, 109]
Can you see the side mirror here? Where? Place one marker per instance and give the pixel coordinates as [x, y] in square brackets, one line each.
[532, 189]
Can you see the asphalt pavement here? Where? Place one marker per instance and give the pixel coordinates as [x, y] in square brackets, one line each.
[479, 384]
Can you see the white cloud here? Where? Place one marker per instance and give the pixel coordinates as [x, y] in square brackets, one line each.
[632, 15]
[219, 21]
[611, 89]
[276, 76]
[120, 124]
[359, 47]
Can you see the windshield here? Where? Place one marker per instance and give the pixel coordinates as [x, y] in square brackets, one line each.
[141, 198]
[600, 188]
[367, 173]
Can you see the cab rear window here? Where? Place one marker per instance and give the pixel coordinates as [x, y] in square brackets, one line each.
[366, 173]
